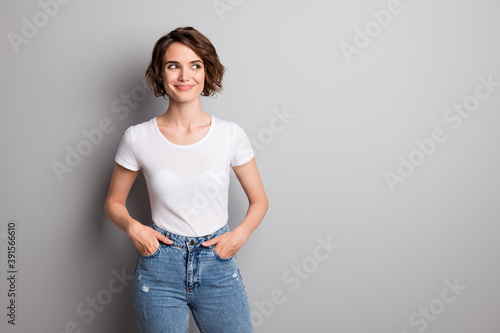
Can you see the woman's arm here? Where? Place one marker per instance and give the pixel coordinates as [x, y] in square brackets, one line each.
[145, 239]
[229, 243]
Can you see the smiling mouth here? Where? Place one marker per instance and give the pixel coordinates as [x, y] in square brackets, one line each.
[184, 88]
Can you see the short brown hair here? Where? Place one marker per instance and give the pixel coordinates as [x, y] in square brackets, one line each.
[201, 45]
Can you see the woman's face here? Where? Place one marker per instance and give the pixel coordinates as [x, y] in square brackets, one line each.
[183, 73]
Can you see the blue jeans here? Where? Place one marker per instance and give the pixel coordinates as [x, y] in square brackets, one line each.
[187, 276]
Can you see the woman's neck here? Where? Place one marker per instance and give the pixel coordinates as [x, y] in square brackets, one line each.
[184, 115]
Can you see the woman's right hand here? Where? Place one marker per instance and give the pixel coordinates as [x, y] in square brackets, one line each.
[146, 239]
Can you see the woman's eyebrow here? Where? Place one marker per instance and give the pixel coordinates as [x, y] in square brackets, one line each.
[176, 62]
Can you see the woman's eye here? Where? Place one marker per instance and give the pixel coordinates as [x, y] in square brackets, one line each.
[171, 66]
[197, 66]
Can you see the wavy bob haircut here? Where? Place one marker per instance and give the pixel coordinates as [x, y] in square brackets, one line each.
[201, 45]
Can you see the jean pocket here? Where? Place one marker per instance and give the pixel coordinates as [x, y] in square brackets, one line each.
[221, 258]
[152, 255]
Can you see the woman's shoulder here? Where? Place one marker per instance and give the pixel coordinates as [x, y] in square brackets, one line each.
[228, 124]
[143, 127]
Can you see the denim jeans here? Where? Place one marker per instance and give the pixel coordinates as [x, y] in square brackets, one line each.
[187, 276]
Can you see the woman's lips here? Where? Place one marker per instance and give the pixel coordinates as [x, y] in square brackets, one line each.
[184, 87]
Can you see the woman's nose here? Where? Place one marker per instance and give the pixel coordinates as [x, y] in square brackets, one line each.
[182, 74]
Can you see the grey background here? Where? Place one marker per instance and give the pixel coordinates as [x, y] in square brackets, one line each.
[323, 171]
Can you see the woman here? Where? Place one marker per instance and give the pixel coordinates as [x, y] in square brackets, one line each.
[187, 256]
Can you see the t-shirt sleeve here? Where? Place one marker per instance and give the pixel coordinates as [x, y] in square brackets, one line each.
[125, 156]
[242, 148]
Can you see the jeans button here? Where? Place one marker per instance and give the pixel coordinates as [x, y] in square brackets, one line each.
[191, 242]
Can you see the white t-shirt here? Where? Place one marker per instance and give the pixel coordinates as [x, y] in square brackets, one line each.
[188, 184]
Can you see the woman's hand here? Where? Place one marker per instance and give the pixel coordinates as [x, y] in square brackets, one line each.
[146, 239]
[227, 244]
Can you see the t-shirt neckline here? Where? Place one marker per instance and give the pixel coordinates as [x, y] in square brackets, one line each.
[155, 125]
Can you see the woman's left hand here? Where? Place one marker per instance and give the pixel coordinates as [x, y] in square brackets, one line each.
[227, 244]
